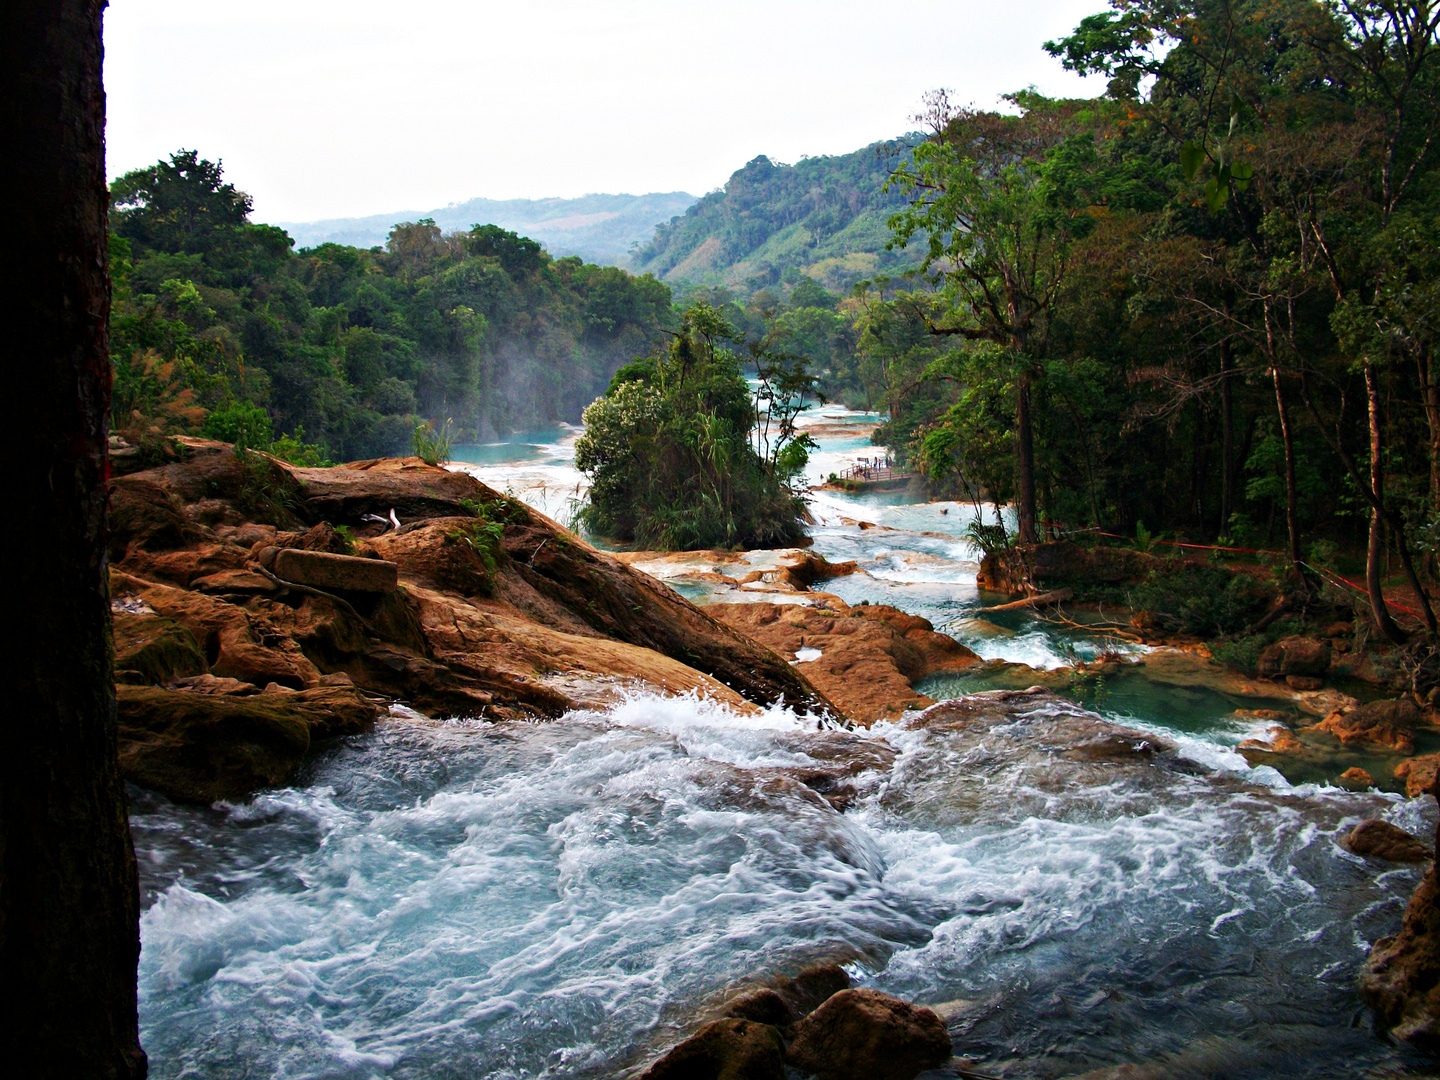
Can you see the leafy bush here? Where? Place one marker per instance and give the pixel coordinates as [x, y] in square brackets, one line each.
[240, 422]
[432, 445]
[1195, 598]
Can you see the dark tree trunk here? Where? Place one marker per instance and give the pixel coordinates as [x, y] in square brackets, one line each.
[1025, 437]
[1292, 495]
[1376, 548]
[1227, 440]
[69, 905]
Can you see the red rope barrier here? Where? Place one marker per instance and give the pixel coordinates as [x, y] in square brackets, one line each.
[1245, 551]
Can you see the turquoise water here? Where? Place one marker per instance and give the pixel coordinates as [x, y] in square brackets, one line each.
[565, 899]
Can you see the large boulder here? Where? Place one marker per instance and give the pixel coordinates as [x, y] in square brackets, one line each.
[1390, 724]
[1401, 977]
[222, 739]
[866, 1035]
[729, 1049]
[1378, 839]
[1419, 774]
[151, 649]
[413, 489]
[789, 998]
[1296, 656]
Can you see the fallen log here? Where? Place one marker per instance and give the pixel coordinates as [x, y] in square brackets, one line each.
[1039, 599]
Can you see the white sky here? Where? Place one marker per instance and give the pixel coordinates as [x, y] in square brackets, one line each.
[322, 108]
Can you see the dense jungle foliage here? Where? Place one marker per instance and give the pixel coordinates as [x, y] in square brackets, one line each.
[219, 326]
[1205, 304]
[682, 454]
[823, 218]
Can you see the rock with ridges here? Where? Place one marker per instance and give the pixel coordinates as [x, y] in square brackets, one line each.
[866, 1035]
[729, 1049]
[346, 573]
[1380, 840]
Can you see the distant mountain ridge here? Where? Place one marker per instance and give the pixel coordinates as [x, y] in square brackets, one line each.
[823, 217]
[599, 228]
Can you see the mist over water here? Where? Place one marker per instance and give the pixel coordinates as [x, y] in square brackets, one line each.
[565, 899]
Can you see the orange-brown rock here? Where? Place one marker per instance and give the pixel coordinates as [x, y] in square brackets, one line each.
[1401, 976]
[1296, 656]
[867, 1035]
[1356, 777]
[340, 573]
[729, 1049]
[1381, 840]
[1281, 741]
[531, 626]
[1419, 774]
[1390, 724]
[870, 657]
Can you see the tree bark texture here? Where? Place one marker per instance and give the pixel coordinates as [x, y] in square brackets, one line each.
[1292, 495]
[69, 904]
[1376, 549]
[1227, 440]
[1025, 437]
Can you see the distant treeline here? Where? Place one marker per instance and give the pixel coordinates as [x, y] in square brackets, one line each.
[216, 320]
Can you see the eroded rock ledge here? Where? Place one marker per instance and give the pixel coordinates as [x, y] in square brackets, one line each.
[234, 659]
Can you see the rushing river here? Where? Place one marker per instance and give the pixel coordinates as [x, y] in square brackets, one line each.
[563, 899]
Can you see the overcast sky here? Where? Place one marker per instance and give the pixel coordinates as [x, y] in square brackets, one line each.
[325, 109]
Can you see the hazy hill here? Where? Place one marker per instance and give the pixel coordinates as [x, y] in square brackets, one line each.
[823, 216]
[599, 228]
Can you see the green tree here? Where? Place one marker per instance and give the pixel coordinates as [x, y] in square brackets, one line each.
[668, 448]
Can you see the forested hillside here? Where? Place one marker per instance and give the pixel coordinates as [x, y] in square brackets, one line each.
[599, 228]
[218, 323]
[823, 217]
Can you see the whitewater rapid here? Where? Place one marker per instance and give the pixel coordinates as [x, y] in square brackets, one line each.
[565, 899]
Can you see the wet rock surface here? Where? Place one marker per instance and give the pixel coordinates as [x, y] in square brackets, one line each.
[1390, 724]
[1381, 840]
[234, 568]
[869, 658]
[868, 1035]
[222, 739]
[729, 1049]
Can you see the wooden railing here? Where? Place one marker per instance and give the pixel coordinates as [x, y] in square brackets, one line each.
[874, 472]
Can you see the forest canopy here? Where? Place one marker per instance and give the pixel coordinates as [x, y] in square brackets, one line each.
[217, 321]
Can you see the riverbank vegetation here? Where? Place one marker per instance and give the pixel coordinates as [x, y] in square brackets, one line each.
[1203, 306]
[217, 323]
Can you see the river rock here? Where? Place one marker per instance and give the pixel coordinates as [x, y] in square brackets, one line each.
[341, 573]
[728, 1049]
[1390, 724]
[1381, 840]
[1419, 774]
[1299, 656]
[151, 649]
[1356, 777]
[564, 627]
[870, 656]
[1401, 976]
[866, 1035]
[198, 746]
